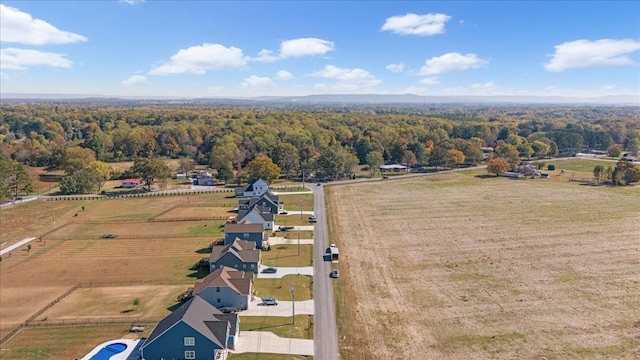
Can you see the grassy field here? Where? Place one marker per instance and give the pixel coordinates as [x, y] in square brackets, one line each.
[281, 326]
[280, 288]
[462, 266]
[64, 343]
[287, 255]
[264, 356]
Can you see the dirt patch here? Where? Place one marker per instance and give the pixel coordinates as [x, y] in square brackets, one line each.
[453, 266]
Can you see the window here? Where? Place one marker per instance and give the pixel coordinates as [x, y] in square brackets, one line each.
[218, 289]
[235, 266]
[253, 266]
[218, 299]
[189, 354]
[244, 266]
[189, 341]
[245, 235]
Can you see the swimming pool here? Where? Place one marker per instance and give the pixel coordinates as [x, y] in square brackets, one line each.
[108, 351]
[119, 349]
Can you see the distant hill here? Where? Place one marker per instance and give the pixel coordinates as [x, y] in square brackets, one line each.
[622, 100]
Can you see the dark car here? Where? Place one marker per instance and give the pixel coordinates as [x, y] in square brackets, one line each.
[269, 270]
[109, 236]
[335, 274]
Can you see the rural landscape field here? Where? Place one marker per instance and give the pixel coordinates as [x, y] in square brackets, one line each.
[465, 266]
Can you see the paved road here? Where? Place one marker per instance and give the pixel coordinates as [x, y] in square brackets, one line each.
[325, 331]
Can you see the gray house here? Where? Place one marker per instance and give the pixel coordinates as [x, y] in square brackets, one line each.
[226, 288]
[268, 200]
[248, 232]
[240, 254]
[257, 215]
[195, 330]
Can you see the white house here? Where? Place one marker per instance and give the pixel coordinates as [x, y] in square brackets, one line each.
[132, 183]
[256, 187]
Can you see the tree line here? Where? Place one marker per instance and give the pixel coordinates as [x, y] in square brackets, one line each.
[82, 139]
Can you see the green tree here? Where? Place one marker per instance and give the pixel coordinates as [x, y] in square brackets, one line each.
[76, 159]
[625, 173]
[151, 170]
[263, 167]
[225, 173]
[509, 153]
[497, 166]
[598, 173]
[614, 150]
[80, 182]
[99, 172]
[14, 179]
[374, 160]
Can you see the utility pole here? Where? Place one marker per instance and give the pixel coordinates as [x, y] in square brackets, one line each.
[299, 227]
[293, 304]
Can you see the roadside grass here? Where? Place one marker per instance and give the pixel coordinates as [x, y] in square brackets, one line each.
[293, 219]
[61, 343]
[292, 202]
[287, 255]
[267, 356]
[582, 165]
[289, 188]
[280, 288]
[280, 325]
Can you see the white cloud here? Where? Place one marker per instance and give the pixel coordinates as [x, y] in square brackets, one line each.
[19, 27]
[304, 47]
[451, 62]
[257, 82]
[265, 56]
[135, 80]
[585, 54]
[487, 85]
[20, 59]
[284, 75]
[395, 68]
[131, 2]
[430, 81]
[353, 79]
[412, 24]
[199, 59]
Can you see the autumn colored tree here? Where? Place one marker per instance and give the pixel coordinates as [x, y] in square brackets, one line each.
[455, 157]
[614, 150]
[262, 167]
[625, 173]
[99, 172]
[150, 170]
[497, 166]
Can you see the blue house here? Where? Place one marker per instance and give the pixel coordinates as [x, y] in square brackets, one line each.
[247, 232]
[195, 330]
[242, 255]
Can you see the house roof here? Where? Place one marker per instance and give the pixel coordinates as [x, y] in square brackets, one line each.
[238, 281]
[244, 250]
[202, 317]
[263, 212]
[268, 196]
[251, 183]
[243, 228]
[132, 180]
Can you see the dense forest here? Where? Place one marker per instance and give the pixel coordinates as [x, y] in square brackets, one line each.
[328, 140]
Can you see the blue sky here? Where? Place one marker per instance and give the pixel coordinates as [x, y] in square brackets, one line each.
[242, 49]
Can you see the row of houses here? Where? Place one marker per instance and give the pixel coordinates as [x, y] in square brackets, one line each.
[206, 325]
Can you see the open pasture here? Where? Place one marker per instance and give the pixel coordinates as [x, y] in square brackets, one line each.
[457, 266]
[141, 301]
[146, 229]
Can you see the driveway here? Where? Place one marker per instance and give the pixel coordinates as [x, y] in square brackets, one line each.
[268, 342]
[284, 308]
[288, 270]
[277, 240]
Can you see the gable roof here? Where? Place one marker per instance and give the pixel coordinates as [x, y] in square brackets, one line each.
[238, 281]
[244, 250]
[263, 212]
[199, 315]
[252, 182]
[268, 196]
[243, 228]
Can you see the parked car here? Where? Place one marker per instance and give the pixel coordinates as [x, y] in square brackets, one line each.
[269, 270]
[109, 236]
[335, 274]
[284, 212]
[269, 301]
[333, 245]
[313, 218]
[285, 228]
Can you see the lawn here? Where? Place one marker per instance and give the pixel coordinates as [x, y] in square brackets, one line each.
[280, 288]
[287, 255]
[281, 326]
[482, 267]
[297, 202]
[64, 343]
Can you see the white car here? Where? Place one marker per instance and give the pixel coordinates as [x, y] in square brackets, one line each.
[269, 301]
[333, 245]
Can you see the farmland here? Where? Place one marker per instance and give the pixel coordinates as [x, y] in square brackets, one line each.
[465, 266]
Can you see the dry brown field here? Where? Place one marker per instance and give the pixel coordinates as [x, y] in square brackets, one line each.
[154, 301]
[461, 267]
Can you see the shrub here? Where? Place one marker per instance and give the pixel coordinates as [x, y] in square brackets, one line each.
[136, 301]
[551, 167]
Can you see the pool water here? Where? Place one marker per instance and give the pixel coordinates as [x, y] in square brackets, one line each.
[108, 351]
